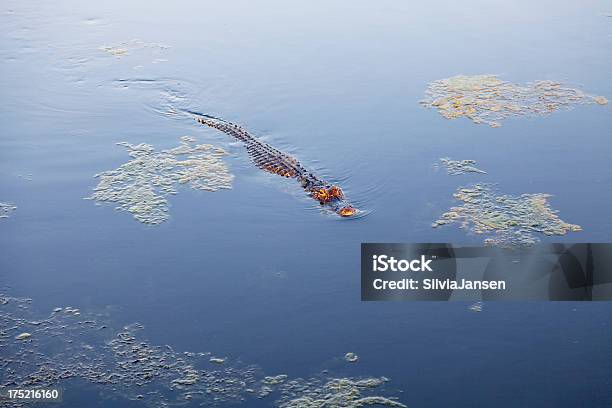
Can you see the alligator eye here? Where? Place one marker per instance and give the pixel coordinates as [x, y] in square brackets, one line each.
[336, 192]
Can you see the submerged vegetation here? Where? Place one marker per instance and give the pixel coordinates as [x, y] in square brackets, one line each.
[141, 185]
[513, 220]
[70, 344]
[457, 167]
[125, 47]
[487, 99]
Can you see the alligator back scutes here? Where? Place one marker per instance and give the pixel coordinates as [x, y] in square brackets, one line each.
[274, 161]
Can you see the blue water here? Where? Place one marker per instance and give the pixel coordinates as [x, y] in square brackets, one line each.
[258, 273]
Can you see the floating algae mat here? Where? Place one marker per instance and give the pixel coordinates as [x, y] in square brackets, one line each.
[487, 99]
[336, 392]
[457, 167]
[6, 209]
[141, 185]
[513, 220]
[69, 344]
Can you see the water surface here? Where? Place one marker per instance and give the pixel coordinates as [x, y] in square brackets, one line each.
[258, 273]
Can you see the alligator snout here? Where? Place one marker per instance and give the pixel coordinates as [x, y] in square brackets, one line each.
[347, 211]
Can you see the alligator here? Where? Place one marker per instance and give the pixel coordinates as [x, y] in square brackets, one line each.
[274, 161]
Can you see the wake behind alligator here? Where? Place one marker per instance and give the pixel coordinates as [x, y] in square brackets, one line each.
[274, 161]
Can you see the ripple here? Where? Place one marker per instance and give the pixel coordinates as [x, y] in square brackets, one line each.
[6, 209]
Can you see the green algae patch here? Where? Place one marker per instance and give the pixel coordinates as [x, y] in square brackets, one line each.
[511, 220]
[6, 209]
[457, 167]
[487, 99]
[142, 185]
[334, 392]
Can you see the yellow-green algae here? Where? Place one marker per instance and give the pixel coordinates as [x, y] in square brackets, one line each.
[6, 209]
[487, 99]
[67, 344]
[457, 167]
[141, 185]
[513, 220]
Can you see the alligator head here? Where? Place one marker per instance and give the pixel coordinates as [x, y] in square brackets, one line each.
[333, 197]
